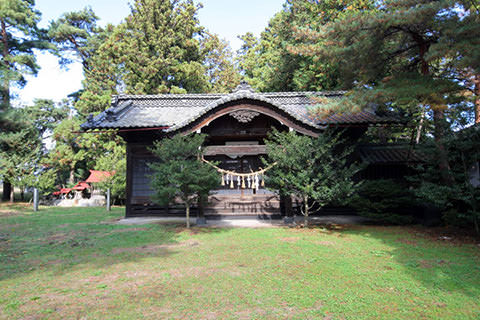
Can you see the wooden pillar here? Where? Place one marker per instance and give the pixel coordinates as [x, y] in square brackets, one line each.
[128, 201]
[200, 210]
[286, 207]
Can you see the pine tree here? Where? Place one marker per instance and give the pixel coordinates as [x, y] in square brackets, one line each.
[219, 64]
[68, 150]
[19, 36]
[180, 173]
[159, 50]
[390, 53]
[113, 160]
[265, 62]
[20, 149]
[314, 170]
[459, 51]
[76, 33]
[79, 38]
[282, 60]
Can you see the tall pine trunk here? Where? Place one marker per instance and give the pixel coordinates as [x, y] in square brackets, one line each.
[5, 105]
[476, 92]
[7, 186]
[71, 178]
[442, 157]
[420, 126]
[6, 81]
[12, 194]
[438, 119]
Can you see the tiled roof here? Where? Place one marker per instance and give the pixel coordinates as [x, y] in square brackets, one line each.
[174, 111]
[389, 154]
[98, 176]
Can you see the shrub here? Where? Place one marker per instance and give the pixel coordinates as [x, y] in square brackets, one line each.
[385, 201]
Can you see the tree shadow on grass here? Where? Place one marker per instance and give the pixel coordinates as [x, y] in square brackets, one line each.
[62, 247]
[436, 258]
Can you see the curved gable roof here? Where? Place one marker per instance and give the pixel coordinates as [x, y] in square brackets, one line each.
[172, 112]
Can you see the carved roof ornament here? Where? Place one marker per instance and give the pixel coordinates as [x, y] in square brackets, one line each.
[243, 86]
[244, 116]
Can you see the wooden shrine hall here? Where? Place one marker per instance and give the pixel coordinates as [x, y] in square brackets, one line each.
[236, 125]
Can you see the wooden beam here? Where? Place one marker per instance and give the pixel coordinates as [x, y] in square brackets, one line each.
[278, 115]
[235, 150]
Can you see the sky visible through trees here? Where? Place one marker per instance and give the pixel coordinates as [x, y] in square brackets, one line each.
[228, 19]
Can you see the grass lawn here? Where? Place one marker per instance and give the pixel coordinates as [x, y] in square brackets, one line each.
[76, 263]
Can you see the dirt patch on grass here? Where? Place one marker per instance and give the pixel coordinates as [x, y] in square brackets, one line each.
[142, 249]
[289, 239]
[11, 226]
[445, 234]
[196, 272]
[440, 304]
[8, 213]
[155, 248]
[282, 311]
[407, 241]
[71, 238]
[324, 243]
[38, 262]
[427, 264]
[411, 234]
[58, 237]
[128, 230]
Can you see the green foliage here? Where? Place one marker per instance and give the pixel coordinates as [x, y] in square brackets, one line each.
[19, 36]
[180, 173]
[219, 65]
[282, 59]
[67, 152]
[459, 201]
[23, 155]
[395, 53]
[77, 152]
[20, 148]
[45, 115]
[46, 181]
[266, 63]
[385, 201]
[76, 32]
[316, 170]
[403, 55]
[114, 159]
[158, 49]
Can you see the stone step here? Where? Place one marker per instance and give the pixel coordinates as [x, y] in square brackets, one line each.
[243, 210]
[233, 205]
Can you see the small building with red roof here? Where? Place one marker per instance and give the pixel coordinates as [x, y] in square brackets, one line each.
[98, 176]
